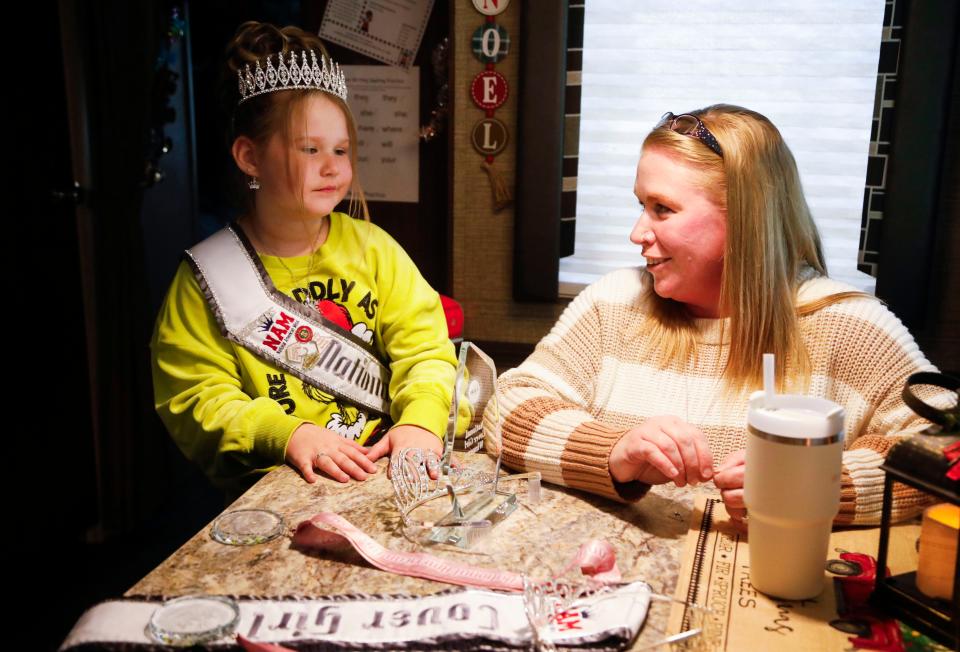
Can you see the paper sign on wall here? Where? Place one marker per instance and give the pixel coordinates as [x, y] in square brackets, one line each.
[385, 30]
[385, 102]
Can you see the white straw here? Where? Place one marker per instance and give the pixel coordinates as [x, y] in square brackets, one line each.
[769, 386]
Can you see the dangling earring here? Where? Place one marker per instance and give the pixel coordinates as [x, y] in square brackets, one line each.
[253, 184]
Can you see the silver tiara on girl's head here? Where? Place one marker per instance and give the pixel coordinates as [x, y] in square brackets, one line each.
[323, 76]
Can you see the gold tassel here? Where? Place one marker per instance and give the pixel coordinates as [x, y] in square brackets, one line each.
[501, 193]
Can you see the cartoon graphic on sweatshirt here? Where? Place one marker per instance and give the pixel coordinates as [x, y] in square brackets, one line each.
[347, 421]
[338, 314]
[330, 299]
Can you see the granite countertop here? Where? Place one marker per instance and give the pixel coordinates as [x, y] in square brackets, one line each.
[647, 536]
[540, 539]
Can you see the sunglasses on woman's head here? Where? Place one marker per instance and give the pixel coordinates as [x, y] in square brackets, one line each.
[690, 125]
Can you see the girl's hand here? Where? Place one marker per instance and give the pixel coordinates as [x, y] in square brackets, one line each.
[729, 480]
[662, 449]
[406, 436]
[312, 447]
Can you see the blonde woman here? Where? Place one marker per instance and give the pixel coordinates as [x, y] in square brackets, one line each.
[644, 379]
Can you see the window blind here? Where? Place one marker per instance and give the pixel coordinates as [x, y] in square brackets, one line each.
[809, 66]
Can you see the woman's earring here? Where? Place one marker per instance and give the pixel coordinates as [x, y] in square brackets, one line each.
[253, 184]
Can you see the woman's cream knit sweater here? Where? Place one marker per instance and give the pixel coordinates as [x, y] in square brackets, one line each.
[588, 382]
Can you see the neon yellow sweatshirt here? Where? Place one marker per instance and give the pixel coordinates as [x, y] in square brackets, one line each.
[233, 413]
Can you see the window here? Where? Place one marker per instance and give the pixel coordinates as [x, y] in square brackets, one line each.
[811, 67]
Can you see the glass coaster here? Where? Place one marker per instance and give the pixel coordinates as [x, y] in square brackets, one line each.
[193, 619]
[247, 527]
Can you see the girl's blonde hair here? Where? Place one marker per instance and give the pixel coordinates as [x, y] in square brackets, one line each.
[770, 237]
[262, 116]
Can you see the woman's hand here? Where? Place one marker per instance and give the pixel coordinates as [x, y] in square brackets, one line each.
[312, 447]
[406, 436]
[662, 449]
[729, 480]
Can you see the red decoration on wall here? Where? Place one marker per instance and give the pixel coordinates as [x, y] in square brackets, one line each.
[491, 7]
[489, 90]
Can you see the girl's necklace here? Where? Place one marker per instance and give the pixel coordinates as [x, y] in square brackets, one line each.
[294, 278]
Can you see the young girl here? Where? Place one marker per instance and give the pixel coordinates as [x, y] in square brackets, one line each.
[298, 333]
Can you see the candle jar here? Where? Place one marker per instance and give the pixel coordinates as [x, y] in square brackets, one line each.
[938, 551]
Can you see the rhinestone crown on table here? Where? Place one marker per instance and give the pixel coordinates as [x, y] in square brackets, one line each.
[323, 76]
[413, 486]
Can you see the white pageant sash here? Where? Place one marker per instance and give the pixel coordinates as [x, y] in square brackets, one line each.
[467, 619]
[286, 333]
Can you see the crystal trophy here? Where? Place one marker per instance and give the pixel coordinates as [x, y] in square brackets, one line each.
[475, 500]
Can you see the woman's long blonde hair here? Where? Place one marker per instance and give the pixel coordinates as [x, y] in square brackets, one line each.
[770, 236]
